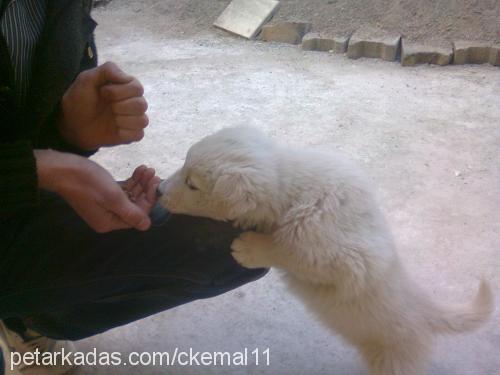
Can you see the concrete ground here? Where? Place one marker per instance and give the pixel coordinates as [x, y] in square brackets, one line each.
[428, 136]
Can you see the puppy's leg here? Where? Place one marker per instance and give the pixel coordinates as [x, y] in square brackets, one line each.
[258, 250]
[395, 359]
[255, 250]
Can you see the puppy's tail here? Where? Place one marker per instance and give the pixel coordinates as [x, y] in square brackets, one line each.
[465, 318]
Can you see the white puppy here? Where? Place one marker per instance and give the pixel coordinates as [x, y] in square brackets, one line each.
[316, 218]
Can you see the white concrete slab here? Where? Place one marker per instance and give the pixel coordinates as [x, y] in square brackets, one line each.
[246, 17]
[428, 136]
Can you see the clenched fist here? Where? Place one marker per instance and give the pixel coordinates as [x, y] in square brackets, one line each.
[103, 107]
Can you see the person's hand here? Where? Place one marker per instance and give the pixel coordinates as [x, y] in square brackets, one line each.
[103, 107]
[141, 187]
[91, 191]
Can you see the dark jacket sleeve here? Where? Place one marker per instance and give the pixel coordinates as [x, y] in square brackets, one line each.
[49, 136]
[18, 170]
[18, 178]
[18, 173]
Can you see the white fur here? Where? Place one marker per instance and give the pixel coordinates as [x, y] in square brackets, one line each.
[316, 218]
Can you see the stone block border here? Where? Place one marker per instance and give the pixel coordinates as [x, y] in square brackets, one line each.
[374, 43]
[325, 42]
[285, 32]
[495, 55]
[415, 53]
[377, 43]
[470, 52]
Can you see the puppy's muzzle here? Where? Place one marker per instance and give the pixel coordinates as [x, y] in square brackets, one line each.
[158, 192]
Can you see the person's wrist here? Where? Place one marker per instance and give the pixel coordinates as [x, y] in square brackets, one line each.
[53, 168]
[63, 124]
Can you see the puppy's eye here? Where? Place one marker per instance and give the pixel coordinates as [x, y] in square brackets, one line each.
[190, 184]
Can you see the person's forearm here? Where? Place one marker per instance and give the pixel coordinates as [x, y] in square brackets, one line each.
[91, 191]
[54, 168]
[51, 136]
[87, 187]
[50, 165]
[23, 171]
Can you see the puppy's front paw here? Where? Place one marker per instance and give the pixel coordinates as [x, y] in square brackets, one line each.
[251, 250]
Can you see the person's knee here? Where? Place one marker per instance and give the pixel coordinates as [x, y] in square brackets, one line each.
[229, 281]
[211, 231]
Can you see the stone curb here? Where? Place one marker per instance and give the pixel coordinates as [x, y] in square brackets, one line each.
[366, 41]
[285, 32]
[325, 42]
[417, 53]
[375, 43]
[474, 52]
[494, 58]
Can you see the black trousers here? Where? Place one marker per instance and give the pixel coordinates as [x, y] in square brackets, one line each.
[68, 282]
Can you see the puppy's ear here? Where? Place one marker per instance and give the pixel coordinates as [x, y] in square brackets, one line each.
[235, 188]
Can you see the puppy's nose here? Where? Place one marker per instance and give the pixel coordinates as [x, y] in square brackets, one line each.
[158, 191]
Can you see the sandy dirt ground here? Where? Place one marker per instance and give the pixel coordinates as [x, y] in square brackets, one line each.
[420, 20]
[428, 137]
